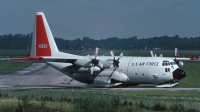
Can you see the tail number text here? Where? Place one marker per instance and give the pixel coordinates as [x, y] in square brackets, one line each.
[42, 45]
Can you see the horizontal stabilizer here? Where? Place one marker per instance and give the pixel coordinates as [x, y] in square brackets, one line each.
[30, 58]
[49, 59]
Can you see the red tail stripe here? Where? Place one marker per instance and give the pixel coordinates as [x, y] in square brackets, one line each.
[42, 43]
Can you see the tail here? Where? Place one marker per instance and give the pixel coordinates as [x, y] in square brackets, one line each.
[43, 43]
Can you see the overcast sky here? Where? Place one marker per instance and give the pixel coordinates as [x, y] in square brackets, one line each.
[71, 19]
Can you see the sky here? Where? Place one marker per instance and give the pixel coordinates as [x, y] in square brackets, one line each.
[100, 19]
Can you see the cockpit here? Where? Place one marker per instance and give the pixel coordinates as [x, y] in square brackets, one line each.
[167, 63]
[177, 73]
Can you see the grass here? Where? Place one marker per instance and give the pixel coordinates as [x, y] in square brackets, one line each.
[26, 104]
[88, 101]
[7, 67]
[57, 93]
[14, 53]
[192, 75]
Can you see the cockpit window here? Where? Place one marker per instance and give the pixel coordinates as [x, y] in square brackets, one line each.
[165, 63]
[172, 63]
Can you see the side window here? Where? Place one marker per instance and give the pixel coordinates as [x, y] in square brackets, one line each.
[167, 69]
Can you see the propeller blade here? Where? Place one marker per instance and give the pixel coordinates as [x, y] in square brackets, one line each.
[119, 70]
[112, 54]
[180, 63]
[88, 56]
[111, 67]
[96, 52]
[151, 52]
[120, 56]
[176, 52]
[161, 55]
[92, 70]
[100, 65]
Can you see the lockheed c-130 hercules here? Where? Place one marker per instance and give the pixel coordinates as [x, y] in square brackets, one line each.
[102, 71]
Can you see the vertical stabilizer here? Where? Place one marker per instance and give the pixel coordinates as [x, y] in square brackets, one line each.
[43, 43]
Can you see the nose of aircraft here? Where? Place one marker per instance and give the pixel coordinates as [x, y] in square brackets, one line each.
[178, 74]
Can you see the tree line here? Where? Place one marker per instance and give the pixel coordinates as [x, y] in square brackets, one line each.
[23, 42]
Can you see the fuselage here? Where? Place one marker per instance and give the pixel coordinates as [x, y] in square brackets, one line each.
[132, 70]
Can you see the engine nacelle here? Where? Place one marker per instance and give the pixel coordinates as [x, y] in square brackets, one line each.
[99, 78]
[109, 76]
[117, 76]
[83, 62]
[72, 69]
[106, 64]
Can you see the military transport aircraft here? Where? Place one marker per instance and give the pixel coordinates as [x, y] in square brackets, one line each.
[102, 71]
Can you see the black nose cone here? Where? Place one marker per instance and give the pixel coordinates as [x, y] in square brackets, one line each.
[178, 74]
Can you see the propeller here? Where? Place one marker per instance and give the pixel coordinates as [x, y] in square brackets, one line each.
[161, 55]
[177, 62]
[95, 61]
[176, 52]
[155, 55]
[151, 52]
[115, 62]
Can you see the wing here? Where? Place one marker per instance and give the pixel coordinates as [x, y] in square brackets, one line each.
[60, 59]
[186, 59]
[75, 60]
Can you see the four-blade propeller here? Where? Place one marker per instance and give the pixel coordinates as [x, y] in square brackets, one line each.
[95, 61]
[115, 62]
